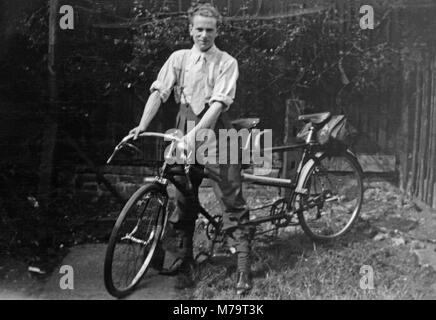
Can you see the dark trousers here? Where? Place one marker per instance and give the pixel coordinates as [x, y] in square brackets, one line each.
[228, 191]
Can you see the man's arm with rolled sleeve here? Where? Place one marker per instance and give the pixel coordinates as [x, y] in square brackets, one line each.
[167, 77]
[225, 85]
[160, 91]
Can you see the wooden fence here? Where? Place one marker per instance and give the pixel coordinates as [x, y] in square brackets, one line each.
[417, 152]
[403, 124]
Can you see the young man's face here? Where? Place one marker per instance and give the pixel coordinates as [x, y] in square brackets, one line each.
[203, 31]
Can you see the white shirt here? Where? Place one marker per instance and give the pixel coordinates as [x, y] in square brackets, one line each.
[206, 79]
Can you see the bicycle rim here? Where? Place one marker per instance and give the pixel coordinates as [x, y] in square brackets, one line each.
[334, 197]
[134, 240]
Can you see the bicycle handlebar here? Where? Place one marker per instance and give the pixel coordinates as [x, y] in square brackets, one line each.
[125, 141]
[153, 134]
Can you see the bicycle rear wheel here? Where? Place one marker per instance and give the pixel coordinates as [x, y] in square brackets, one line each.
[134, 238]
[333, 198]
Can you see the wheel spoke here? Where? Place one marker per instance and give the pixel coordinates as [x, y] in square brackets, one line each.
[333, 200]
[134, 239]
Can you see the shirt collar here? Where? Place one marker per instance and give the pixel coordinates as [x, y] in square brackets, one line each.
[209, 54]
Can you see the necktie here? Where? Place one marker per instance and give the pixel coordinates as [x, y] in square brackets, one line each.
[198, 85]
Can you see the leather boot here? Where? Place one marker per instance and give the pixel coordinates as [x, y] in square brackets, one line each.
[185, 277]
[243, 283]
[173, 269]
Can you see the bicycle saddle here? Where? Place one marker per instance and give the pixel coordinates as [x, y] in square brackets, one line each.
[245, 123]
[315, 118]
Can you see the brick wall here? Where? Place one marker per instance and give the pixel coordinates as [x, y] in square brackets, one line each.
[125, 179]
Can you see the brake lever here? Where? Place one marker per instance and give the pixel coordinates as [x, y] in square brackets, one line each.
[134, 147]
[120, 146]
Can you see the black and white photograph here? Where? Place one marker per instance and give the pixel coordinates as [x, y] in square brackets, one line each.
[217, 155]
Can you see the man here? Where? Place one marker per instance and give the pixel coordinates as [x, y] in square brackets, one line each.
[204, 82]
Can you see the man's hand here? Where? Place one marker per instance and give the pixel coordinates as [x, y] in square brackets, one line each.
[187, 143]
[136, 131]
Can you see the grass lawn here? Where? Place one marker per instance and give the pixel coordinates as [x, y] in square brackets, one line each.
[289, 265]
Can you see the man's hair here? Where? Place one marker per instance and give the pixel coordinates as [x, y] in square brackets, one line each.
[204, 10]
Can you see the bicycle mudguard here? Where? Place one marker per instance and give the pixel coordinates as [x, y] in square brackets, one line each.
[308, 166]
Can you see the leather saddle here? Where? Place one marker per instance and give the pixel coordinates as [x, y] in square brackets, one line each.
[316, 118]
[245, 123]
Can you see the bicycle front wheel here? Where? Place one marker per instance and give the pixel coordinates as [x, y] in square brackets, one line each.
[134, 239]
[332, 199]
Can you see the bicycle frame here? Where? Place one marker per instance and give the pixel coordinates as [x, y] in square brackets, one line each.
[168, 173]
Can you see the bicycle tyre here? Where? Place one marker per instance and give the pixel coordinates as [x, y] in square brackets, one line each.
[146, 205]
[347, 173]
